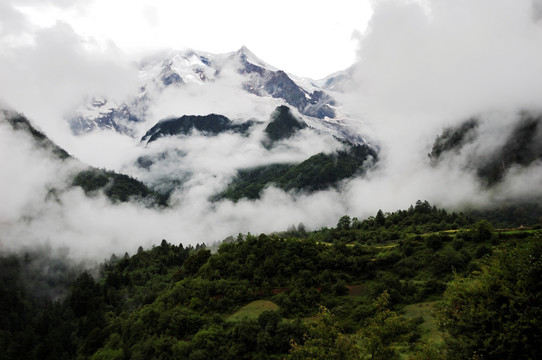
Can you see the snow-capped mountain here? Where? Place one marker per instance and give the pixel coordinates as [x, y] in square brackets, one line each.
[190, 67]
[264, 80]
[338, 81]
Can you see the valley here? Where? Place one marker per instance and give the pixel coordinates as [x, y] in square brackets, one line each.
[388, 286]
[361, 181]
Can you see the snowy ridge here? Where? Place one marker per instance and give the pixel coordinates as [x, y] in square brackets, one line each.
[190, 67]
[338, 81]
[244, 54]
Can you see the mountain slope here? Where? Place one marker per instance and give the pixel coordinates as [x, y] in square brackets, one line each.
[453, 139]
[518, 146]
[277, 153]
[276, 83]
[175, 301]
[117, 187]
[211, 124]
[522, 147]
[183, 68]
[319, 172]
[283, 124]
[21, 123]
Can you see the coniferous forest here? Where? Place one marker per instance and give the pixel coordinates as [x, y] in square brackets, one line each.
[420, 283]
[167, 193]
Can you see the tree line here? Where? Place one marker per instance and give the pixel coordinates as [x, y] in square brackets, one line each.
[339, 293]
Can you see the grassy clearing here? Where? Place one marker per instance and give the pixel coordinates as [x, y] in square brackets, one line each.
[429, 328]
[518, 231]
[388, 246]
[253, 310]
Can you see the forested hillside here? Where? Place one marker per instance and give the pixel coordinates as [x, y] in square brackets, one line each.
[421, 283]
[117, 187]
[319, 172]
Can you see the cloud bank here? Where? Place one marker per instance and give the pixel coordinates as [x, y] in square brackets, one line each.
[47, 71]
[421, 66]
[45, 210]
[426, 65]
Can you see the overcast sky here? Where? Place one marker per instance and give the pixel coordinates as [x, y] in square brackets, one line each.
[307, 38]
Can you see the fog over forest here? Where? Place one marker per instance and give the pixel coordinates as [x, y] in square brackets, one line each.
[421, 67]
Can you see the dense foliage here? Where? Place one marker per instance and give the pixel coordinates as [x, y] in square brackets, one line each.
[507, 215]
[117, 187]
[452, 139]
[318, 172]
[335, 293]
[209, 124]
[520, 147]
[496, 312]
[283, 124]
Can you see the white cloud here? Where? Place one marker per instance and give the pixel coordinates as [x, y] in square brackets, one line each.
[288, 34]
[223, 96]
[93, 227]
[426, 65]
[421, 67]
[49, 77]
[456, 57]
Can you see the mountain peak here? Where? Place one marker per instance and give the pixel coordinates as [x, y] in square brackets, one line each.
[283, 124]
[178, 68]
[212, 124]
[244, 49]
[247, 56]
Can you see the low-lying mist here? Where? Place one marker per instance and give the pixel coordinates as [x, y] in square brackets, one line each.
[421, 68]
